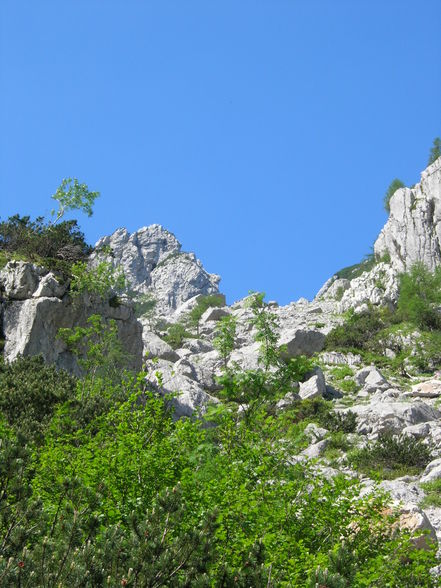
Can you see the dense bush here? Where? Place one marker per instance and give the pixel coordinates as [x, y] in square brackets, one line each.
[359, 329]
[392, 456]
[54, 245]
[115, 492]
[29, 392]
[420, 297]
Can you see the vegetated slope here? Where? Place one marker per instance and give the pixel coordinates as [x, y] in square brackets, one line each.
[300, 408]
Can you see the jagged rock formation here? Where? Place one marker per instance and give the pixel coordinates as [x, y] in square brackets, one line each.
[412, 234]
[34, 306]
[413, 231]
[152, 261]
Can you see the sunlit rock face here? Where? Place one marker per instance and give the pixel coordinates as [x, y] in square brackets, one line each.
[152, 261]
[413, 231]
[411, 235]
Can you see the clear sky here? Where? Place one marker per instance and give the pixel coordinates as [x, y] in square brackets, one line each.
[263, 133]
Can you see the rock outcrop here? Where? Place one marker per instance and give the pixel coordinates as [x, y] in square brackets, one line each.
[35, 305]
[413, 231]
[152, 261]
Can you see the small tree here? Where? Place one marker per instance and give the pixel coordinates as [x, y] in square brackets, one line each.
[226, 335]
[204, 302]
[71, 195]
[435, 152]
[395, 185]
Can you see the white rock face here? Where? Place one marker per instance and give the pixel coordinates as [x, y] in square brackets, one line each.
[380, 416]
[35, 307]
[413, 231]
[152, 261]
[184, 394]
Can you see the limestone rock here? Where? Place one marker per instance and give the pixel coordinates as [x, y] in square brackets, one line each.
[20, 279]
[30, 327]
[413, 231]
[371, 379]
[154, 346]
[214, 314]
[378, 417]
[184, 394]
[152, 261]
[427, 389]
[315, 387]
[301, 342]
[432, 471]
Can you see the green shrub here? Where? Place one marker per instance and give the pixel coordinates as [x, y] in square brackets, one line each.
[176, 333]
[433, 493]
[420, 297]
[392, 456]
[55, 246]
[29, 392]
[435, 151]
[395, 185]
[358, 329]
[204, 303]
[354, 271]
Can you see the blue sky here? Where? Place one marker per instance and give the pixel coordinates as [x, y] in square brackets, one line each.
[263, 133]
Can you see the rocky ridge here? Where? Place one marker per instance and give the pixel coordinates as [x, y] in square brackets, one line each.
[35, 305]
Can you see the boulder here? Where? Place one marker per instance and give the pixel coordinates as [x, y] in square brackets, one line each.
[301, 342]
[154, 346]
[314, 387]
[391, 416]
[427, 389]
[214, 314]
[371, 379]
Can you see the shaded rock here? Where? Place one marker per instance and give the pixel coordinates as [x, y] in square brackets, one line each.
[301, 342]
[214, 314]
[154, 346]
[432, 471]
[378, 417]
[31, 326]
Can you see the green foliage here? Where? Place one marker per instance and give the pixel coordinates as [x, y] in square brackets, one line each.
[320, 411]
[392, 456]
[435, 151]
[54, 246]
[204, 303]
[115, 492]
[395, 185]
[71, 195]
[359, 329]
[225, 337]
[102, 281]
[433, 493]
[29, 391]
[176, 333]
[420, 296]
[265, 324]
[354, 271]
[97, 347]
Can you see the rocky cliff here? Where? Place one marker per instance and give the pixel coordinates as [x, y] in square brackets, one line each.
[413, 231]
[152, 261]
[35, 305]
